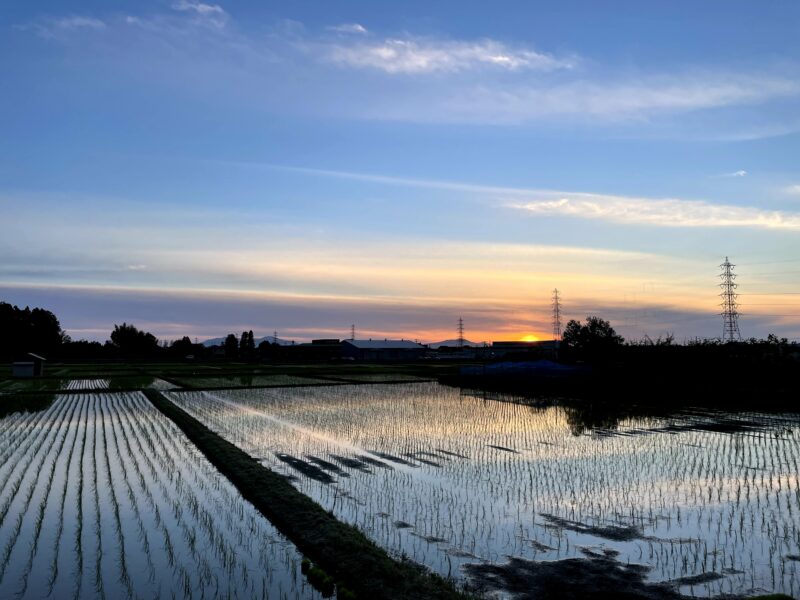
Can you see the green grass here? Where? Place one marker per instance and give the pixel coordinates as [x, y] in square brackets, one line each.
[341, 550]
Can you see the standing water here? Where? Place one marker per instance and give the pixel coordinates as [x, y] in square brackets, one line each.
[706, 501]
[101, 496]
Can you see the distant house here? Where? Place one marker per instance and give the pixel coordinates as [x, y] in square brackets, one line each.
[327, 349]
[383, 350]
[34, 367]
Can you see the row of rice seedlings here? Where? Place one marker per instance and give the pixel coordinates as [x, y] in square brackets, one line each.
[20, 461]
[62, 499]
[22, 426]
[37, 476]
[178, 462]
[87, 384]
[202, 511]
[122, 456]
[681, 488]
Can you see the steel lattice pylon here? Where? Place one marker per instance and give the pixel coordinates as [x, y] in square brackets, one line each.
[556, 316]
[729, 304]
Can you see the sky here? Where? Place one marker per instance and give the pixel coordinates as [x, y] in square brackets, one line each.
[200, 168]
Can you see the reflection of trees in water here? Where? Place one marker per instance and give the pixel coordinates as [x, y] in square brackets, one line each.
[586, 418]
[581, 416]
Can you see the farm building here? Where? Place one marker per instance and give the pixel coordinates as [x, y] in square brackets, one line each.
[383, 350]
[33, 367]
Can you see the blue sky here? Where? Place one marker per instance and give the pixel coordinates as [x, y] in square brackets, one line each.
[200, 168]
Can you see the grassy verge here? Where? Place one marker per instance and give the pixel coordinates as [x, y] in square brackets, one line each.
[341, 550]
[36, 402]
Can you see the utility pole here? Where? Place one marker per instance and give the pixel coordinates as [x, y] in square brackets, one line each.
[275, 337]
[556, 316]
[352, 332]
[460, 332]
[729, 304]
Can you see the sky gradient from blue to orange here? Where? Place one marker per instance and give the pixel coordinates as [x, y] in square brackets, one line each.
[199, 168]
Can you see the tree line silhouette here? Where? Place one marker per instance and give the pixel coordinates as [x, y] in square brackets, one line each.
[37, 330]
[594, 342]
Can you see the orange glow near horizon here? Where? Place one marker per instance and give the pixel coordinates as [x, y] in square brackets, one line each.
[529, 338]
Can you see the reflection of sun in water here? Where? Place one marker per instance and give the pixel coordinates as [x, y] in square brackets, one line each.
[529, 338]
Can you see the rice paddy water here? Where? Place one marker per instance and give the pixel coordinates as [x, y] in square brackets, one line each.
[103, 497]
[707, 501]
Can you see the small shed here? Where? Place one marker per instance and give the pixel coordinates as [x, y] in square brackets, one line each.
[34, 367]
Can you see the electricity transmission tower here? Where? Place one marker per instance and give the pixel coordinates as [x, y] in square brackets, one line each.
[275, 337]
[460, 332]
[730, 307]
[556, 316]
[352, 332]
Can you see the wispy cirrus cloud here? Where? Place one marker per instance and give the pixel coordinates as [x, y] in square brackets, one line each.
[739, 173]
[356, 28]
[423, 79]
[672, 212]
[793, 190]
[53, 28]
[612, 99]
[659, 212]
[211, 13]
[413, 55]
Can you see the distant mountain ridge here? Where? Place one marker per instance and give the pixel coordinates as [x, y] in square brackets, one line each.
[219, 341]
[454, 344]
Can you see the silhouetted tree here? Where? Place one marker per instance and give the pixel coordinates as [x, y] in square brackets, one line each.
[231, 347]
[83, 349]
[130, 342]
[595, 340]
[182, 347]
[247, 345]
[29, 330]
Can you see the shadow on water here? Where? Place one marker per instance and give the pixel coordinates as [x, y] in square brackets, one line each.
[598, 576]
[306, 468]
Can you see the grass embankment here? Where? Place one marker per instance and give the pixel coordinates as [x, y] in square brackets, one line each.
[341, 550]
[24, 403]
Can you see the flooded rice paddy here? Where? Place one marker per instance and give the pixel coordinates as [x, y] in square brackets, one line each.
[103, 497]
[706, 501]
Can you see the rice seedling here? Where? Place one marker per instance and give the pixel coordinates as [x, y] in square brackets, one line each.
[145, 514]
[706, 500]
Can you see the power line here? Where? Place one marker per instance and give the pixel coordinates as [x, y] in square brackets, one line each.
[772, 294]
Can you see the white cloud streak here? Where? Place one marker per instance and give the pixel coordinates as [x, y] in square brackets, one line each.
[356, 28]
[212, 14]
[740, 173]
[659, 212]
[62, 26]
[410, 55]
[419, 79]
[615, 100]
[617, 209]
[793, 190]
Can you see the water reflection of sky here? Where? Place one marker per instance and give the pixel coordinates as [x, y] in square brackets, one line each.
[697, 500]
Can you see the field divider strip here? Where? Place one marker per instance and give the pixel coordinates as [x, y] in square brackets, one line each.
[340, 549]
